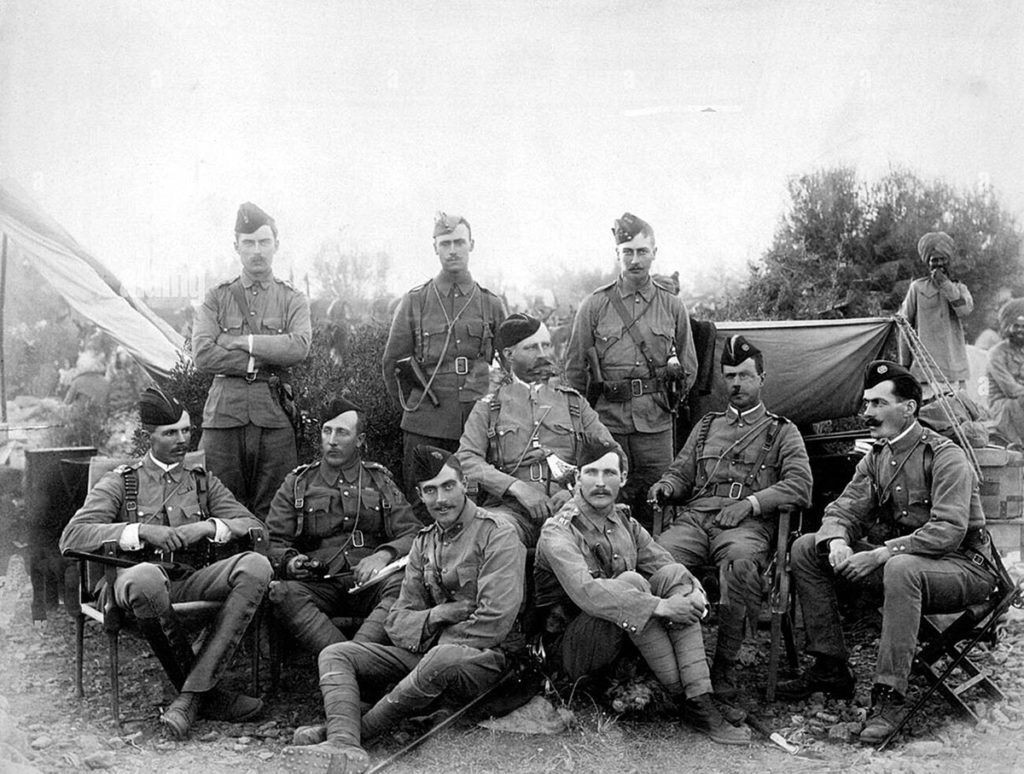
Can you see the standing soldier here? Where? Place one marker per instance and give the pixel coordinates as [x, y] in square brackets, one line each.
[625, 334]
[936, 306]
[737, 468]
[437, 360]
[342, 517]
[521, 442]
[248, 333]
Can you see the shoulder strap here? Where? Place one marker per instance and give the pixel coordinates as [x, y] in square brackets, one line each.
[698, 449]
[130, 476]
[492, 427]
[630, 326]
[202, 491]
[299, 497]
[576, 419]
[769, 439]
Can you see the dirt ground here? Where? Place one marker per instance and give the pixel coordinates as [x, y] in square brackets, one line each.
[45, 728]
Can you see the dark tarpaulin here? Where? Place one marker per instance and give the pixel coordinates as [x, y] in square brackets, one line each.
[814, 368]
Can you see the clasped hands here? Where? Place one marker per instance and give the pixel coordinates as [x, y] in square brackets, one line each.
[855, 567]
[537, 504]
[169, 539]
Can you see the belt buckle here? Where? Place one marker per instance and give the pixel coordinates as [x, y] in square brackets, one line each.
[358, 541]
[250, 376]
[462, 365]
[636, 387]
[735, 490]
[536, 472]
[977, 559]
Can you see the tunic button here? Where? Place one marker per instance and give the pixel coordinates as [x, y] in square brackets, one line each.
[615, 556]
[252, 314]
[899, 489]
[893, 463]
[254, 291]
[632, 629]
[903, 513]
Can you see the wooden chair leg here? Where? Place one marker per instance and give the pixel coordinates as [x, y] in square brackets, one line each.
[79, 654]
[115, 685]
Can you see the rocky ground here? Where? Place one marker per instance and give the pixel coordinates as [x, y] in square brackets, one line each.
[45, 728]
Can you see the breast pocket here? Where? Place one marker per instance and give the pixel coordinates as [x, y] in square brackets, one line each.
[663, 336]
[917, 510]
[273, 325]
[320, 522]
[475, 340]
[606, 335]
[371, 517]
[231, 322]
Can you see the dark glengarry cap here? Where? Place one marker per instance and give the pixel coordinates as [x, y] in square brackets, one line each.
[935, 242]
[628, 226]
[158, 408]
[336, 407]
[736, 350]
[446, 224]
[882, 371]
[427, 461]
[514, 329]
[592, 450]
[250, 218]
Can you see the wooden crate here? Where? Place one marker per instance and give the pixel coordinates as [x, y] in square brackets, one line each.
[1002, 484]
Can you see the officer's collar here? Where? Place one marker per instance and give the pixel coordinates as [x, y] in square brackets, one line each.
[172, 469]
[904, 441]
[644, 291]
[444, 283]
[331, 476]
[732, 415]
[590, 514]
[248, 282]
[453, 531]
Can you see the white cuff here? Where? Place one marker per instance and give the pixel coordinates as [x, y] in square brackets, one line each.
[129, 540]
[757, 506]
[223, 534]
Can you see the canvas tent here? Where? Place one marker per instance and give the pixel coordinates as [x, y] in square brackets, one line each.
[32, 236]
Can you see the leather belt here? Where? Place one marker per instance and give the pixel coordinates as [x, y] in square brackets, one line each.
[536, 472]
[734, 490]
[624, 390]
[462, 365]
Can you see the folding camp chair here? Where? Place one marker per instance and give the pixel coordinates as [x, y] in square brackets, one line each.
[956, 642]
[780, 597]
[102, 610]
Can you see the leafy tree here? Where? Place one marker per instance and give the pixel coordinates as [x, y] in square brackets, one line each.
[356, 277]
[847, 248]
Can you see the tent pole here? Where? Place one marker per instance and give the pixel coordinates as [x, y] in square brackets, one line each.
[3, 298]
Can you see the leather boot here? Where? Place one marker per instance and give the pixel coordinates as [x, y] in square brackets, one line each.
[229, 706]
[170, 645]
[829, 676]
[888, 707]
[219, 647]
[724, 679]
[701, 713]
[181, 714]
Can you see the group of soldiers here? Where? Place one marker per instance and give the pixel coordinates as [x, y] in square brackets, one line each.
[526, 485]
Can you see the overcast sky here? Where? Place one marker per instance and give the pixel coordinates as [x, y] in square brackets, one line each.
[142, 126]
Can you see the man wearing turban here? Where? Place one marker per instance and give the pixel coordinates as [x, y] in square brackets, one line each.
[167, 505]
[935, 306]
[521, 442]
[1005, 373]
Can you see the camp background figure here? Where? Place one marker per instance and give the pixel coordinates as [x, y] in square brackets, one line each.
[248, 333]
[632, 401]
[1005, 374]
[936, 306]
[442, 336]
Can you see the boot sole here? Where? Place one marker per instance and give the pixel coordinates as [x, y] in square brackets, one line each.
[310, 760]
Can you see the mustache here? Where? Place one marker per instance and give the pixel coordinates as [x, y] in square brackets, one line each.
[872, 422]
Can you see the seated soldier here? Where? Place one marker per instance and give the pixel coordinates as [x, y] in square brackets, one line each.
[915, 498]
[462, 591]
[736, 470]
[179, 509]
[520, 442]
[335, 523]
[596, 561]
[1005, 375]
